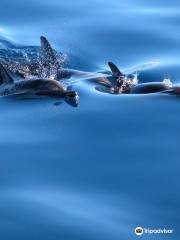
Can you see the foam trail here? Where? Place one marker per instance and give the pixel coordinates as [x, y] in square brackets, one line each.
[141, 67]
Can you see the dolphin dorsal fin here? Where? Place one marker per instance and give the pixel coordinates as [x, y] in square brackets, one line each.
[115, 70]
[48, 55]
[5, 77]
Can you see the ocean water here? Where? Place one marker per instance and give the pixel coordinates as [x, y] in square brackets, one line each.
[99, 170]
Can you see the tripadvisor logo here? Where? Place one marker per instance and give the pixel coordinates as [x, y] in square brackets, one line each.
[139, 231]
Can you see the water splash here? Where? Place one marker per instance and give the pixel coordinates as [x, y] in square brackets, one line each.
[26, 61]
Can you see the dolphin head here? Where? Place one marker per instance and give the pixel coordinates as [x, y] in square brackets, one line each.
[72, 98]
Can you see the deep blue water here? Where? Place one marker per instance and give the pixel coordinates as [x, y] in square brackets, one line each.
[111, 164]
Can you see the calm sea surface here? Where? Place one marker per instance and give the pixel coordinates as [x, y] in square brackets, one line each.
[97, 171]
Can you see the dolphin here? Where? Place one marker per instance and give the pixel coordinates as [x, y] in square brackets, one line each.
[116, 82]
[38, 87]
[50, 66]
[128, 83]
